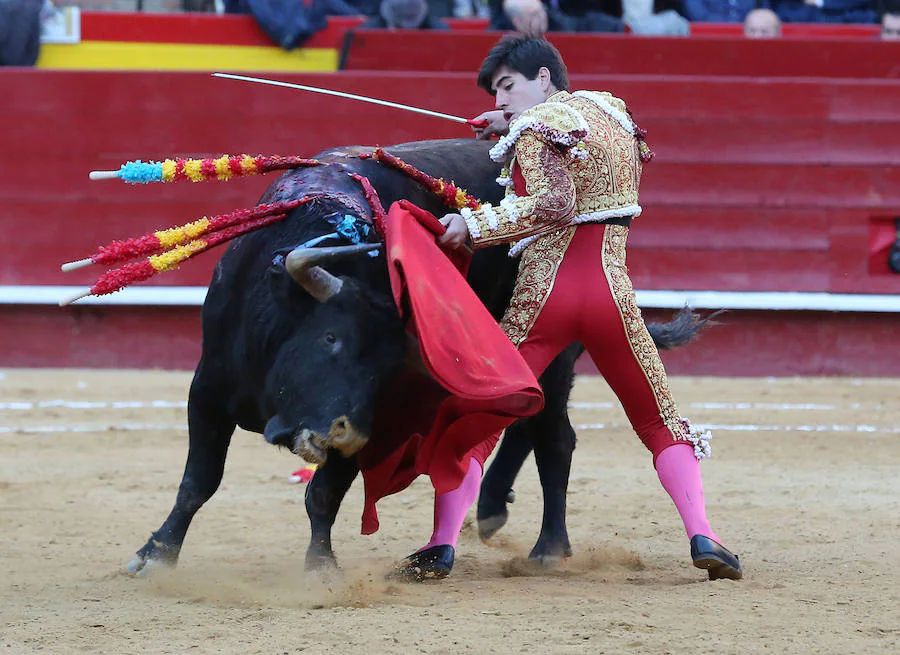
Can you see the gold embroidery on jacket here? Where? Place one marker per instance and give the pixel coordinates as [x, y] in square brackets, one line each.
[609, 177]
[605, 177]
[545, 176]
[537, 274]
[642, 345]
[549, 204]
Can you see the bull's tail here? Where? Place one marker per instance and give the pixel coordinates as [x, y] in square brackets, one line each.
[680, 330]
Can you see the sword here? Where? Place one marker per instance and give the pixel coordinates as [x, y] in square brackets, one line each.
[110, 175]
[353, 96]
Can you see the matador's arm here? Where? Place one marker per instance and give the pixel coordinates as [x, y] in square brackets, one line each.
[549, 203]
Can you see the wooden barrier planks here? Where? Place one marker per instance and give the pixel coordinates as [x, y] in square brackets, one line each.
[746, 343]
[624, 54]
[771, 190]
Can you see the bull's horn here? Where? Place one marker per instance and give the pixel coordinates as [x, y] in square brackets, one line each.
[303, 266]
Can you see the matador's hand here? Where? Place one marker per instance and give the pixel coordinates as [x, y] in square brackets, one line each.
[457, 232]
[490, 123]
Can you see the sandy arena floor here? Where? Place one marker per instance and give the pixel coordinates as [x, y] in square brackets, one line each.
[804, 483]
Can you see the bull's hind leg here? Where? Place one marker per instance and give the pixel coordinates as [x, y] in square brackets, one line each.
[324, 495]
[497, 485]
[210, 429]
[551, 436]
[554, 442]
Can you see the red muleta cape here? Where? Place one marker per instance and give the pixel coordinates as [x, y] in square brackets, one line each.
[479, 383]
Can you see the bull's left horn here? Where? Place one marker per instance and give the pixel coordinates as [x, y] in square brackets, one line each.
[303, 266]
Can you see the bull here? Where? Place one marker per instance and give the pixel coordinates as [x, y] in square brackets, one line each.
[299, 347]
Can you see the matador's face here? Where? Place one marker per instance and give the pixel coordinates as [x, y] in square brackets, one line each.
[516, 93]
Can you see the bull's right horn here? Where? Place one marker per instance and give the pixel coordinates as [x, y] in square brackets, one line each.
[303, 266]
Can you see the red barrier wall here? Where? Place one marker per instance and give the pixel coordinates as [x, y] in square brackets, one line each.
[792, 214]
[746, 343]
[759, 185]
[624, 54]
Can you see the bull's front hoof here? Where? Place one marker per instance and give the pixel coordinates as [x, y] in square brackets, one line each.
[491, 525]
[142, 567]
[550, 555]
[320, 561]
[547, 561]
[154, 555]
[492, 514]
[433, 563]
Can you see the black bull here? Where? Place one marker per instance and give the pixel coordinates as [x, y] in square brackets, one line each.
[306, 371]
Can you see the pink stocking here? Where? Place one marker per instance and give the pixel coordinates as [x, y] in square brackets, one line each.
[679, 473]
[450, 508]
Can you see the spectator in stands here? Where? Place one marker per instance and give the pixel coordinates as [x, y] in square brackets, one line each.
[539, 16]
[20, 32]
[366, 7]
[468, 9]
[285, 8]
[822, 11]
[442, 8]
[718, 11]
[655, 17]
[199, 6]
[890, 24]
[405, 15]
[289, 22]
[762, 24]
[436, 8]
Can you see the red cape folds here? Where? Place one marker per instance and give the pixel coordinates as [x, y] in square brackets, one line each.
[480, 382]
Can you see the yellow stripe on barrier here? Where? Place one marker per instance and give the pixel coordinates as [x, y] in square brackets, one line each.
[113, 55]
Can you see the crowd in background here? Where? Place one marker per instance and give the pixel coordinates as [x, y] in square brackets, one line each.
[761, 18]
[290, 22]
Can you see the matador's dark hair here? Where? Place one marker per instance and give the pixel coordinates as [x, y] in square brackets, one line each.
[524, 54]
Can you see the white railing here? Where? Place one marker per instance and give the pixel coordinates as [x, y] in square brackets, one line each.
[749, 300]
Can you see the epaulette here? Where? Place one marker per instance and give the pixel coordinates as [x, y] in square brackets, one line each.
[615, 108]
[554, 121]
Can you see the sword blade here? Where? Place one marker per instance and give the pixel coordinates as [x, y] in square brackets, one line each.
[341, 94]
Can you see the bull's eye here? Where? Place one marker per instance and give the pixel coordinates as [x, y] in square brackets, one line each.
[330, 339]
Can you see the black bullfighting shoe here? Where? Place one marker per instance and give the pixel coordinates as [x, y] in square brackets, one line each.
[433, 563]
[718, 561]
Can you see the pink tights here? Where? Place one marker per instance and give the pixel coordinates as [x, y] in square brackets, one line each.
[677, 467]
[679, 473]
[450, 508]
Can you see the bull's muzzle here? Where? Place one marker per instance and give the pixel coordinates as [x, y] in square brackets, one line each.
[342, 436]
[310, 446]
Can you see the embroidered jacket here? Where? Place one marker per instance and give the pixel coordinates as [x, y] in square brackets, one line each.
[575, 158]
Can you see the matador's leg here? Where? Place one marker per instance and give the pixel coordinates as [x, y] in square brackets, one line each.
[617, 340]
